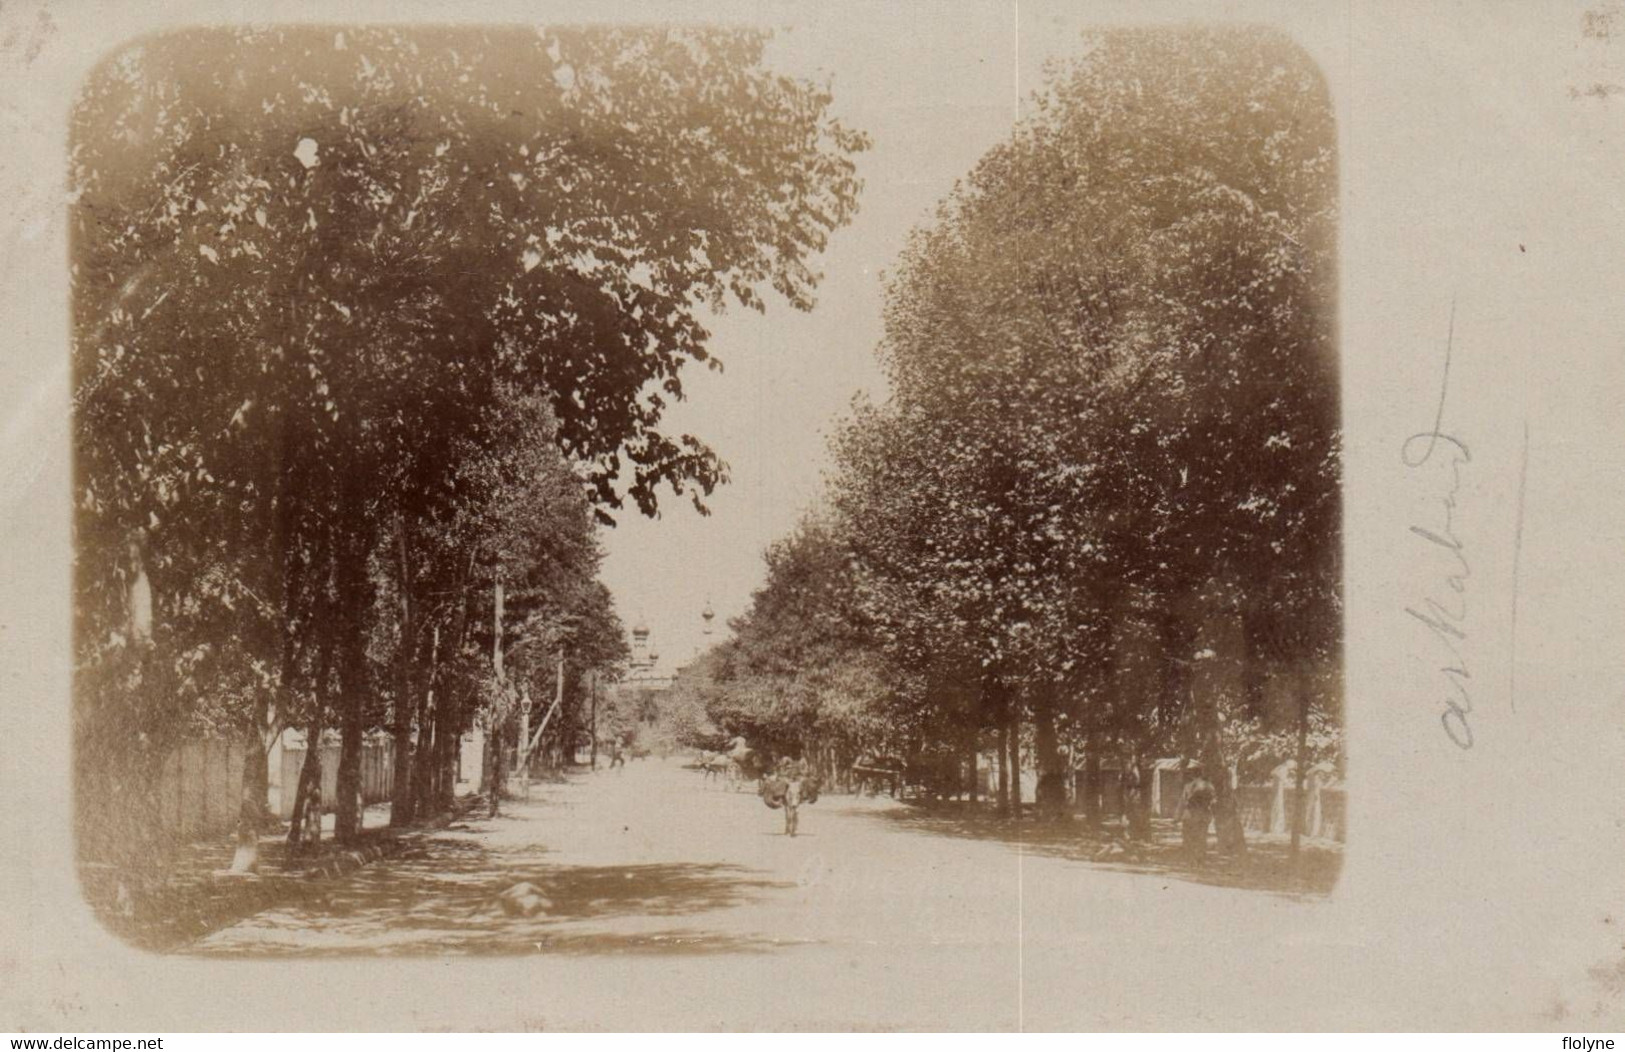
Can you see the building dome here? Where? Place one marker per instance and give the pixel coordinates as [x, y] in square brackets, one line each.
[640, 630]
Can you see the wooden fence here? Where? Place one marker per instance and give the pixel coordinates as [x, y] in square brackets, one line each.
[1264, 808]
[200, 787]
[377, 774]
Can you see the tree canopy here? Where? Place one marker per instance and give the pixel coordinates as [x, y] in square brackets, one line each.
[1108, 462]
[370, 319]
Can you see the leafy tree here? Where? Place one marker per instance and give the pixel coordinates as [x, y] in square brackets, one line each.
[313, 270]
[800, 676]
[1113, 398]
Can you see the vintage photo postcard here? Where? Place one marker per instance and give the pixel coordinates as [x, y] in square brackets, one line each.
[976, 515]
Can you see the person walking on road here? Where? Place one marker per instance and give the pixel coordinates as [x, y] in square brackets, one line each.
[792, 805]
[786, 789]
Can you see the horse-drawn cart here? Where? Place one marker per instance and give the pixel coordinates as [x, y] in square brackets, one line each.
[872, 775]
[923, 777]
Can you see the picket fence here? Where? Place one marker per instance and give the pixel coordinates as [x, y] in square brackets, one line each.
[1264, 808]
[200, 785]
[377, 774]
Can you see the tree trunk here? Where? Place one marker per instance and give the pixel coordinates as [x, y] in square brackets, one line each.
[1232, 838]
[253, 812]
[1013, 740]
[447, 740]
[1177, 643]
[1204, 728]
[423, 801]
[1091, 781]
[246, 857]
[970, 763]
[1299, 807]
[275, 469]
[350, 580]
[423, 765]
[498, 765]
[487, 768]
[997, 702]
[348, 821]
[424, 761]
[310, 785]
[453, 706]
[1107, 711]
[402, 797]
[309, 795]
[1051, 792]
[1004, 768]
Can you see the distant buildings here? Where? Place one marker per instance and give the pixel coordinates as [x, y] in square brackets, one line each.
[645, 672]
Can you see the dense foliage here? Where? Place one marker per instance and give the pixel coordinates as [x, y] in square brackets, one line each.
[1100, 507]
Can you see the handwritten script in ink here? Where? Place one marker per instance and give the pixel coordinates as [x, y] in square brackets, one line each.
[1443, 609]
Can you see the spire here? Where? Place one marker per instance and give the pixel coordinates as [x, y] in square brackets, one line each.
[641, 658]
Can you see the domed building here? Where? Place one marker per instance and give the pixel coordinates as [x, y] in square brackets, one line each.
[643, 671]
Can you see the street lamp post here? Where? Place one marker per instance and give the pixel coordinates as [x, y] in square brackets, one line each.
[524, 739]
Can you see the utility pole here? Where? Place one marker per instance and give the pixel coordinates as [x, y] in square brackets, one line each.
[495, 742]
[496, 630]
[1298, 811]
[594, 709]
[558, 698]
[524, 740]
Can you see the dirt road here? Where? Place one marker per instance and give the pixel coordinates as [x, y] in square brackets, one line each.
[679, 905]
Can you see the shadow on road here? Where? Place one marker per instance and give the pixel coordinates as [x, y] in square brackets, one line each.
[440, 896]
[183, 898]
[1267, 865]
[675, 942]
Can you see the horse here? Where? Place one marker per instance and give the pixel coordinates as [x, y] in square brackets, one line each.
[789, 789]
[745, 764]
[752, 766]
[715, 766]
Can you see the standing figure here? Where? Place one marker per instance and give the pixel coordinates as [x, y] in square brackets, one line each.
[1196, 812]
[788, 787]
[792, 805]
[1136, 810]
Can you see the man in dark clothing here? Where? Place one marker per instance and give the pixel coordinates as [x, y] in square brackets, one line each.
[1196, 812]
[1136, 811]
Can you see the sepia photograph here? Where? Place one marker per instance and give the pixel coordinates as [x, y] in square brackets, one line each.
[376, 333]
[793, 522]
